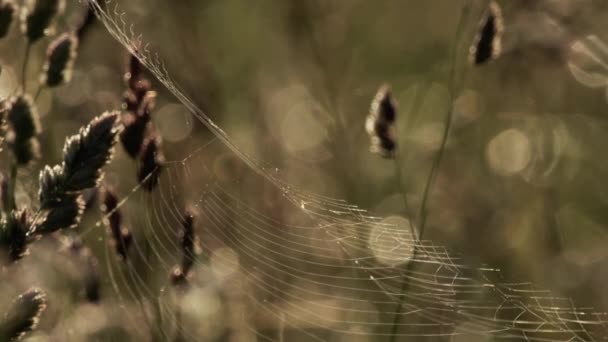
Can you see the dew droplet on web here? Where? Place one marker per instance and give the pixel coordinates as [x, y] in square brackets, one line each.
[391, 241]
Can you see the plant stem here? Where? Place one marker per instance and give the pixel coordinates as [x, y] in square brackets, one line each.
[12, 182]
[26, 58]
[38, 91]
[422, 215]
[179, 336]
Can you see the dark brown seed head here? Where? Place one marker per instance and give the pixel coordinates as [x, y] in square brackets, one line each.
[13, 228]
[136, 124]
[64, 213]
[51, 182]
[60, 57]
[24, 125]
[23, 315]
[151, 163]
[380, 123]
[121, 236]
[134, 71]
[35, 22]
[383, 107]
[188, 243]
[23, 118]
[26, 151]
[85, 154]
[7, 12]
[487, 44]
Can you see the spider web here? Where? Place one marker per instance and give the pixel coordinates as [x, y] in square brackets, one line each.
[309, 265]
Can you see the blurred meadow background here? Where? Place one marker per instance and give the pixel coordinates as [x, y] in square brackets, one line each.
[315, 239]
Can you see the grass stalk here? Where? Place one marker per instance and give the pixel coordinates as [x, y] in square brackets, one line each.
[423, 212]
[26, 58]
[11, 187]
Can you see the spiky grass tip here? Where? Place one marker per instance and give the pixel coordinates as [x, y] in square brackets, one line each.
[23, 315]
[84, 156]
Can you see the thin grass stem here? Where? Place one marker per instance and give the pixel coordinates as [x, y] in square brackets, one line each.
[26, 58]
[11, 187]
[422, 215]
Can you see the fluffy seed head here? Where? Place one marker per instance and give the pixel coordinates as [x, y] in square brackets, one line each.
[7, 12]
[23, 315]
[35, 22]
[60, 57]
[51, 182]
[84, 156]
[86, 153]
[380, 122]
[64, 213]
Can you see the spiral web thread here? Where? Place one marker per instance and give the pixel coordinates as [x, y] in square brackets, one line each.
[310, 267]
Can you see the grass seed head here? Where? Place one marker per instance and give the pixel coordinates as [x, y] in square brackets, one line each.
[188, 243]
[121, 236]
[23, 118]
[151, 163]
[487, 44]
[60, 57]
[7, 13]
[35, 22]
[13, 229]
[86, 153]
[64, 213]
[24, 126]
[51, 181]
[380, 123]
[23, 315]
